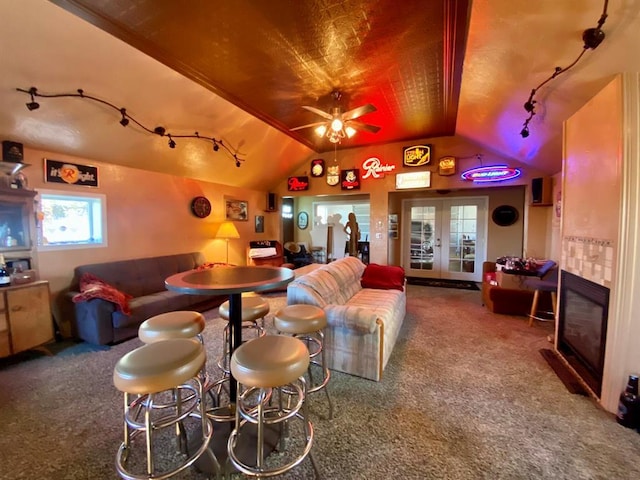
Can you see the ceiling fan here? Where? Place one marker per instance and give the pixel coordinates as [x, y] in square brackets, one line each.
[338, 124]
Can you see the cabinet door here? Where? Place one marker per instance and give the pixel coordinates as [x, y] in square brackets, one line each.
[5, 349]
[29, 317]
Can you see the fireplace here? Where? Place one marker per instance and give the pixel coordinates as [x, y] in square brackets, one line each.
[582, 327]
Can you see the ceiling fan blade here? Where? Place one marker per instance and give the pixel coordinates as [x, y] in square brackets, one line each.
[363, 126]
[358, 112]
[317, 111]
[309, 125]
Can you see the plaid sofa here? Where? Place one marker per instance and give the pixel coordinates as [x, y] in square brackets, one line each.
[363, 323]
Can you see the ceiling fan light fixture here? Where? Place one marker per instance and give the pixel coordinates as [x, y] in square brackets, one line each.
[336, 125]
[350, 131]
[321, 130]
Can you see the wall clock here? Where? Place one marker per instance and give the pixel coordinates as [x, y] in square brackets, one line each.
[201, 207]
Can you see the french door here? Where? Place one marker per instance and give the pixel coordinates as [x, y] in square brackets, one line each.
[444, 238]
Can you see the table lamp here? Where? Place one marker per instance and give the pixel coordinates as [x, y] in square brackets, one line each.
[227, 231]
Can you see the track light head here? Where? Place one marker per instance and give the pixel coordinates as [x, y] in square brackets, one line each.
[216, 147]
[159, 131]
[524, 132]
[530, 105]
[592, 37]
[172, 144]
[124, 121]
[237, 163]
[33, 105]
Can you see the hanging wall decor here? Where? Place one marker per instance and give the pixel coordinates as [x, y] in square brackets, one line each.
[298, 184]
[333, 175]
[350, 179]
[416, 155]
[317, 167]
[447, 166]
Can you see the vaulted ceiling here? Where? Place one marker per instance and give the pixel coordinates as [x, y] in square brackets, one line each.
[242, 71]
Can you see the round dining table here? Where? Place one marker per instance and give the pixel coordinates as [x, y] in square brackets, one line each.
[232, 281]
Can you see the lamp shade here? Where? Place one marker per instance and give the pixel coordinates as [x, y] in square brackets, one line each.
[227, 230]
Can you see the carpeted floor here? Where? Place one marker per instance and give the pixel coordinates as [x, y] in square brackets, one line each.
[466, 395]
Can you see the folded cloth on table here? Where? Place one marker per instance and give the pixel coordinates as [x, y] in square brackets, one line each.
[262, 252]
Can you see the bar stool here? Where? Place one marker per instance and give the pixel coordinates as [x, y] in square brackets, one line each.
[261, 366]
[148, 372]
[254, 308]
[547, 282]
[178, 324]
[307, 322]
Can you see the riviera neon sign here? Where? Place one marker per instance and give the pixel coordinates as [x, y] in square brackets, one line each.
[495, 173]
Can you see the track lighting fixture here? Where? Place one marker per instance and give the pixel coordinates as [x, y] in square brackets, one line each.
[592, 37]
[126, 119]
[33, 105]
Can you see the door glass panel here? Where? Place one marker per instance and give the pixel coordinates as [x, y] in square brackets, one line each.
[462, 238]
[422, 231]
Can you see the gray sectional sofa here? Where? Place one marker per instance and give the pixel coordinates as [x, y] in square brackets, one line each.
[99, 321]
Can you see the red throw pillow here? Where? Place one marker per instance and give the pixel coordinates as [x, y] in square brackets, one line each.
[384, 277]
[93, 287]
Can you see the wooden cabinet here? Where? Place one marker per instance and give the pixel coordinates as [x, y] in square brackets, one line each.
[25, 317]
[17, 227]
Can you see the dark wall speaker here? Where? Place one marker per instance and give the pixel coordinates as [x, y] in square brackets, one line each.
[541, 191]
[271, 202]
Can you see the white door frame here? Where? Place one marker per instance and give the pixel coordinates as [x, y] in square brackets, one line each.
[442, 204]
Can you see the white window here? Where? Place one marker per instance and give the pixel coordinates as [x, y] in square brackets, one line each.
[68, 220]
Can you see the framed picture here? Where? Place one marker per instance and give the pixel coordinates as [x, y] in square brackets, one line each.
[393, 226]
[303, 220]
[259, 223]
[237, 210]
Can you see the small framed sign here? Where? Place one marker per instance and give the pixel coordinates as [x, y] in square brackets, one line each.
[317, 167]
[298, 184]
[71, 173]
[416, 156]
[350, 179]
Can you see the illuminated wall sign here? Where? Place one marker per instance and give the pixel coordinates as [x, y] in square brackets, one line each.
[447, 166]
[416, 156]
[297, 184]
[413, 180]
[495, 173]
[350, 179]
[374, 168]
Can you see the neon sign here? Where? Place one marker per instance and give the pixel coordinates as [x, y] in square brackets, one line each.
[495, 173]
[375, 168]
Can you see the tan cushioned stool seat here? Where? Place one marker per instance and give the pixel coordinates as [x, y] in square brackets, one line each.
[159, 366]
[270, 361]
[300, 319]
[179, 324]
[252, 308]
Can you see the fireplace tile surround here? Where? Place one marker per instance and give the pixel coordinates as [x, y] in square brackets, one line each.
[590, 258]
